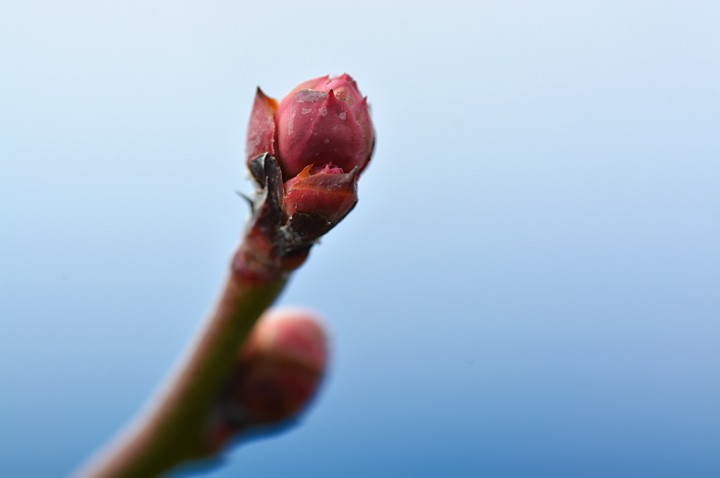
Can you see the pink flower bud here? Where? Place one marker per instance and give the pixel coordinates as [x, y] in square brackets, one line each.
[322, 121]
[306, 155]
[277, 373]
[281, 368]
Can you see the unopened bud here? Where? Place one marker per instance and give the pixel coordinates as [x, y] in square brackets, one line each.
[306, 154]
[322, 121]
[278, 372]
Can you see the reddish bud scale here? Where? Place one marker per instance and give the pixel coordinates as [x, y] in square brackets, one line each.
[261, 131]
[328, 192]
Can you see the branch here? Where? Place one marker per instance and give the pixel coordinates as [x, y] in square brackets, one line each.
[306, 155]
[172, 431]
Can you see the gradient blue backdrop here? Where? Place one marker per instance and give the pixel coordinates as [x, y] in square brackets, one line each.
[529, 286]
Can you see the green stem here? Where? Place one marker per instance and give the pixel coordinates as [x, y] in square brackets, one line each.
[171, 431]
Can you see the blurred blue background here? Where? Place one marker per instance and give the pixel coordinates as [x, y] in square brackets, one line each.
[529, 286]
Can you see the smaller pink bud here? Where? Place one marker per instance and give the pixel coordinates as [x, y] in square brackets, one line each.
[277, 374]
[286, 358]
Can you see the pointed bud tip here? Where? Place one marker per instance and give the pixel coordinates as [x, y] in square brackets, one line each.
[263, 98]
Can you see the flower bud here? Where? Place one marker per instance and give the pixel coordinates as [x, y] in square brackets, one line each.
[324, 120]
[306, 154]
[276, 376]
[282, 375]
